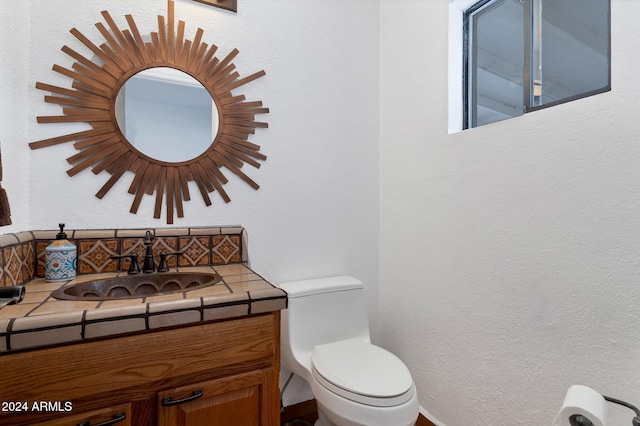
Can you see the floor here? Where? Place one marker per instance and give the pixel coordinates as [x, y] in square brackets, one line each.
[298, 423]
[304, 414]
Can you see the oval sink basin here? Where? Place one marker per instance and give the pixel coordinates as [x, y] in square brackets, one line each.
[135, 286]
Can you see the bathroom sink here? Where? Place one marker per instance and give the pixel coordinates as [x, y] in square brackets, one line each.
[135, 286]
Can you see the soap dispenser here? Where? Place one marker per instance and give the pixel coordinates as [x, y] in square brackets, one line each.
[61, 258]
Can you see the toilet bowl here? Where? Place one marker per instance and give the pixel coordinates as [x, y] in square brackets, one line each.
[325, 340]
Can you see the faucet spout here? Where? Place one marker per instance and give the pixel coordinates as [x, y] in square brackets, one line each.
[149, 264]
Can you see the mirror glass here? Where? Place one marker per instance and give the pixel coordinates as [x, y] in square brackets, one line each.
[166, 114]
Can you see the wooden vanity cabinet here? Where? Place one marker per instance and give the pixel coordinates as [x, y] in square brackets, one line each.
[216, 373]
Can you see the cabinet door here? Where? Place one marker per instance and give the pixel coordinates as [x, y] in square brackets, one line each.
[117, 416]
[232, 401]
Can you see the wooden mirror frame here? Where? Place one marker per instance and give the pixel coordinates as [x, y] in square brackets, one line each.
[231, 5]
[104, 147]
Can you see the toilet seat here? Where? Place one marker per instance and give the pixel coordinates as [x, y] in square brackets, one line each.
[362, 372]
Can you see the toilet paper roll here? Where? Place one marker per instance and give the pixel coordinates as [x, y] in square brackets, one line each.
[584, 401]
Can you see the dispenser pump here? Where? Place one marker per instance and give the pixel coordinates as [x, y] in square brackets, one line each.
[61, 258]
[61, 235]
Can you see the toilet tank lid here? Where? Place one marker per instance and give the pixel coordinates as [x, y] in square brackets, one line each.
[320, 285]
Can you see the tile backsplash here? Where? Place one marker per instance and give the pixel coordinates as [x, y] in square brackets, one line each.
[23, 254]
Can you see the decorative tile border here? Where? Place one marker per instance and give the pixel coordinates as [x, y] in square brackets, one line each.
[18, 263]
[94, 255]
[30, 332]
[22, 255]
[68, 321]
[226, 249]
[196, 251]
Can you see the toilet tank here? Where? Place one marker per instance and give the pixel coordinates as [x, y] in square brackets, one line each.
[321, 311]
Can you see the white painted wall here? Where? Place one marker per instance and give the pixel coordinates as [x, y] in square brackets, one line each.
[509, 253]
[14, 83]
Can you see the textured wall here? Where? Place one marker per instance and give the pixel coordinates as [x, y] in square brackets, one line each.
[509, 253]
[14, 67]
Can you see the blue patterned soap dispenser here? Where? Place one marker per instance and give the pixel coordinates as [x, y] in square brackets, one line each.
[61, 257]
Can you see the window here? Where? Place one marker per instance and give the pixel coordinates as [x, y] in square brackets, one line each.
[523, 55]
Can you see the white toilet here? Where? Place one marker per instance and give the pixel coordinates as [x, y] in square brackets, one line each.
[325, 340]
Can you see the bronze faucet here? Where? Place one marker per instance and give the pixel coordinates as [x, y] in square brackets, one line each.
[148, 265]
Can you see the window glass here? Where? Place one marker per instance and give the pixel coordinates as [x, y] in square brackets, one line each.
[522, 55]
[497, 50]
[574, 48]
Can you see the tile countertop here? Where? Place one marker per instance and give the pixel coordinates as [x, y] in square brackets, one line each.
[41, 320]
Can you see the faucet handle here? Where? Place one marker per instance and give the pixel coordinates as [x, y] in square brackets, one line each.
[134, 268]
[163, 266]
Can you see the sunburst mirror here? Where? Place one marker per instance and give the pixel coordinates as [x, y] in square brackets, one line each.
[95, 98]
